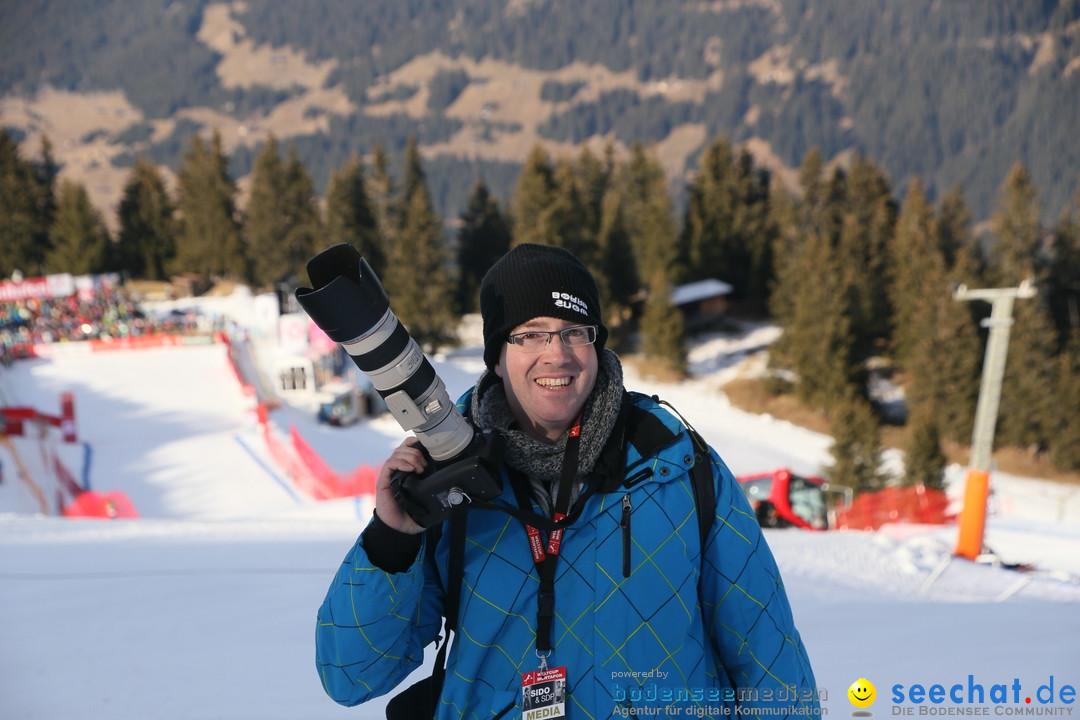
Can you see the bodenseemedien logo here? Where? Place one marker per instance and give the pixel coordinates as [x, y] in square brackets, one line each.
[862, 694]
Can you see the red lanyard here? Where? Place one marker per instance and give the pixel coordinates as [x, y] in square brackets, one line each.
[536, 544]
[546, 556]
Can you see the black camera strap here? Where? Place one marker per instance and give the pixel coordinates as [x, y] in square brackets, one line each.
[421, 699]
[546, 555]
[452, 599]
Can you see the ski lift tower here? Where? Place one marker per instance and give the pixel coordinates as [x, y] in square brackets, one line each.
[973, 516]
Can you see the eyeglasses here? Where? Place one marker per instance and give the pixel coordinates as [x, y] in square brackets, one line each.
[536, 340]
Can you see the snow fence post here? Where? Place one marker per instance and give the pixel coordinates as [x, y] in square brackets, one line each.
[973, 516]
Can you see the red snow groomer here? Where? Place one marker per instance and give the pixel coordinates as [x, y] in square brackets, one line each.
[783, 499]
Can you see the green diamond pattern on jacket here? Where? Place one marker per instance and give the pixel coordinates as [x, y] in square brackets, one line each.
[680, 626]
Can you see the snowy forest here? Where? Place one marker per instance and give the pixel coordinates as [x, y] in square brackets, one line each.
[860, 284]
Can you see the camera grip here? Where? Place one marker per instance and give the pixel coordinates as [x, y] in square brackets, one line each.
[429, 498]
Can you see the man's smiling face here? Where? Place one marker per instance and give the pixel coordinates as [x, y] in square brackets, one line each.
[546, 390]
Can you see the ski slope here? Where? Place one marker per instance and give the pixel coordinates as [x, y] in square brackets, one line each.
[205, 606]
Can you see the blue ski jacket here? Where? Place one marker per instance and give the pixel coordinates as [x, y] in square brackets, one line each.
[643, 615]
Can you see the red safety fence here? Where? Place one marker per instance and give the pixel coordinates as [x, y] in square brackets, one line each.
[916, 504]
[13, 419]
[295, 456]
[130, 342]
[324, 482]
[52, 477]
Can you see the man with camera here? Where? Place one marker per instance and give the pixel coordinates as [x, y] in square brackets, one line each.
[609, 564]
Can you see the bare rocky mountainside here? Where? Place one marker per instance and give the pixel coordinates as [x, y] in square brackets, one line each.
[952, 91]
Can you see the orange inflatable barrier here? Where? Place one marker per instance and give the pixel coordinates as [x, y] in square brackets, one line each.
[969, 543]
[94, 504]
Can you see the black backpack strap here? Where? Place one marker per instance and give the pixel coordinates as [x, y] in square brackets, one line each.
[701, 474]
[701, 478]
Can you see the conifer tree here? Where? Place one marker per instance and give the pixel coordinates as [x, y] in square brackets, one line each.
[709, 219]
[1063, 275]
[1065, 437]
[44, 197]
[17, 221]
[306, 226]
[662, 336]
[955, 349]
[147, 238]
[1064, 292]
[350, 216]
[282, 219]
[617, 273]
[789, 237]
[829, 214]
[418, 280]
[945, 370]
[856, 448]
[924, 461]
[1017, 230]
[27, 207]
[382, 190]
[725, 229]
[78, 235]
[266, 218]
[957, 243]
[760, 241]
[812, 186]
[209, 238]
[863, 245]
[649, 215]
[792, 222]
[918, 290]
[534, 201]
[965, 260]
[568, 215]
[817, 343]
[594, 180]
[1027, 413]
[1029, 401]
[649, 220]
[413, 179]
[917, 273]
[413, 185]
[483, 237]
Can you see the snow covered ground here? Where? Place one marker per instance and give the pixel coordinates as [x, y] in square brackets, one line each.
[205, 607]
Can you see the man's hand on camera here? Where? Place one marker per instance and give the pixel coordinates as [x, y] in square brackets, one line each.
[405, 458]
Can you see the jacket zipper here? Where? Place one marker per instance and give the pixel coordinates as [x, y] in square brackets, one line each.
[625, 524]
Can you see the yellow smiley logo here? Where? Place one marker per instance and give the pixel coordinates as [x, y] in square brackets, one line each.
[862, 693]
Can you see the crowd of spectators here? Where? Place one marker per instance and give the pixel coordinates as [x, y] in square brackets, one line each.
[107, 313]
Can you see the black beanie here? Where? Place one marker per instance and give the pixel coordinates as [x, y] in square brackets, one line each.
[534, 281]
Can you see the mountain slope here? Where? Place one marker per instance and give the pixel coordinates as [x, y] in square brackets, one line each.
[955, 92]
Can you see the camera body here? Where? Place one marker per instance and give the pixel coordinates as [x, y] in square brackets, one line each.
[430, 498]
[348, 302]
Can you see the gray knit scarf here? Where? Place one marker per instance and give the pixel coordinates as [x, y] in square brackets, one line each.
[541, 462]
